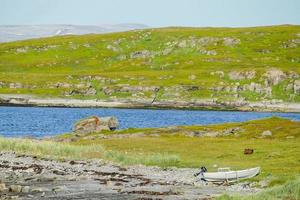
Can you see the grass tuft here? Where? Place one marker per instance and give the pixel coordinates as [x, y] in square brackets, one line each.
[47, 149]
[56, 150]
[162, 160]
[288, 191]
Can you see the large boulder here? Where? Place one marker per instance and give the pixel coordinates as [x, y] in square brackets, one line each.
[96, 124]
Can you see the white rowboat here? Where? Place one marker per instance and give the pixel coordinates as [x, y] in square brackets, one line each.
[225, 174]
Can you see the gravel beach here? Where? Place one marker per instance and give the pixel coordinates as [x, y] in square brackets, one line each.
[26, 177]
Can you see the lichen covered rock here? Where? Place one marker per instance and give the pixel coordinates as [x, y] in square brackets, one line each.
[274, 76]
[96, 124]
[241, 75]
[266, 133]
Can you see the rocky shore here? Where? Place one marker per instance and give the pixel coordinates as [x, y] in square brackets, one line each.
[205, 104]
[26, 177]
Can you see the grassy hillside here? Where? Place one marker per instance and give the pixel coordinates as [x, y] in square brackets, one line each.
[184, 64]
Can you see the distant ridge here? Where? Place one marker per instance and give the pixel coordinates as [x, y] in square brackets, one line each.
[10, 33]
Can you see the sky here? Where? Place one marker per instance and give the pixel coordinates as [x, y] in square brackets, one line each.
[154, 13]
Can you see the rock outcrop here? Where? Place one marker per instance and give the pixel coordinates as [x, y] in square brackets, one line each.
[85, 92]
[274, 76]
[96, 124]
[15, 85]
[241, 75]
[297, 87]
[266, 133]
[231, 41]
[141, 54]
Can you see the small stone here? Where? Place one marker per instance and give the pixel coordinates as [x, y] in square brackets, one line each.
[72, 162]
[264, 183]
[15, 188]
[290, 137]
[192, 77]
[38, 189]
[266, 133]
[109, 183]
[47, 178]
[58, 188]
[14, 197]
[2, 187]
[25, 189]
[70, 178]
[58, 172]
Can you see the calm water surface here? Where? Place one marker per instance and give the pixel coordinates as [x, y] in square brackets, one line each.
[39, 122]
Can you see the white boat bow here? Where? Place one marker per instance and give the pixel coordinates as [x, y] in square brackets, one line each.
[229, 175]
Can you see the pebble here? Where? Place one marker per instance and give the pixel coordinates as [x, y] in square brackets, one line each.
[2, 187]
[26, 189]
[15, 188]
[59, 188]
[290, 137]
[38, 189]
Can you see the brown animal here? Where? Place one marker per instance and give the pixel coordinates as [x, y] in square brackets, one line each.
[248, 151]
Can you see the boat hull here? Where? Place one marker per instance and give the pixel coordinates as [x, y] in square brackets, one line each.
[230, 175]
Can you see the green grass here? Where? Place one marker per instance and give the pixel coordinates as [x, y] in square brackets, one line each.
[65, 151]
[149, 159]
[68, 59]
[288, 191]
[48, 149]
[278, 155]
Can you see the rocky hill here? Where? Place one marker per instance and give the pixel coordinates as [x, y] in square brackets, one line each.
[258, 64]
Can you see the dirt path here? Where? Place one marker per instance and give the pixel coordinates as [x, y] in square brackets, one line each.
[27, 177]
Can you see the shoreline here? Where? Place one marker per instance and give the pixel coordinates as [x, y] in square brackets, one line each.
[203, 104]
[34, 178]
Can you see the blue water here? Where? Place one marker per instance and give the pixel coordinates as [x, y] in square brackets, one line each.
[39, 122]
